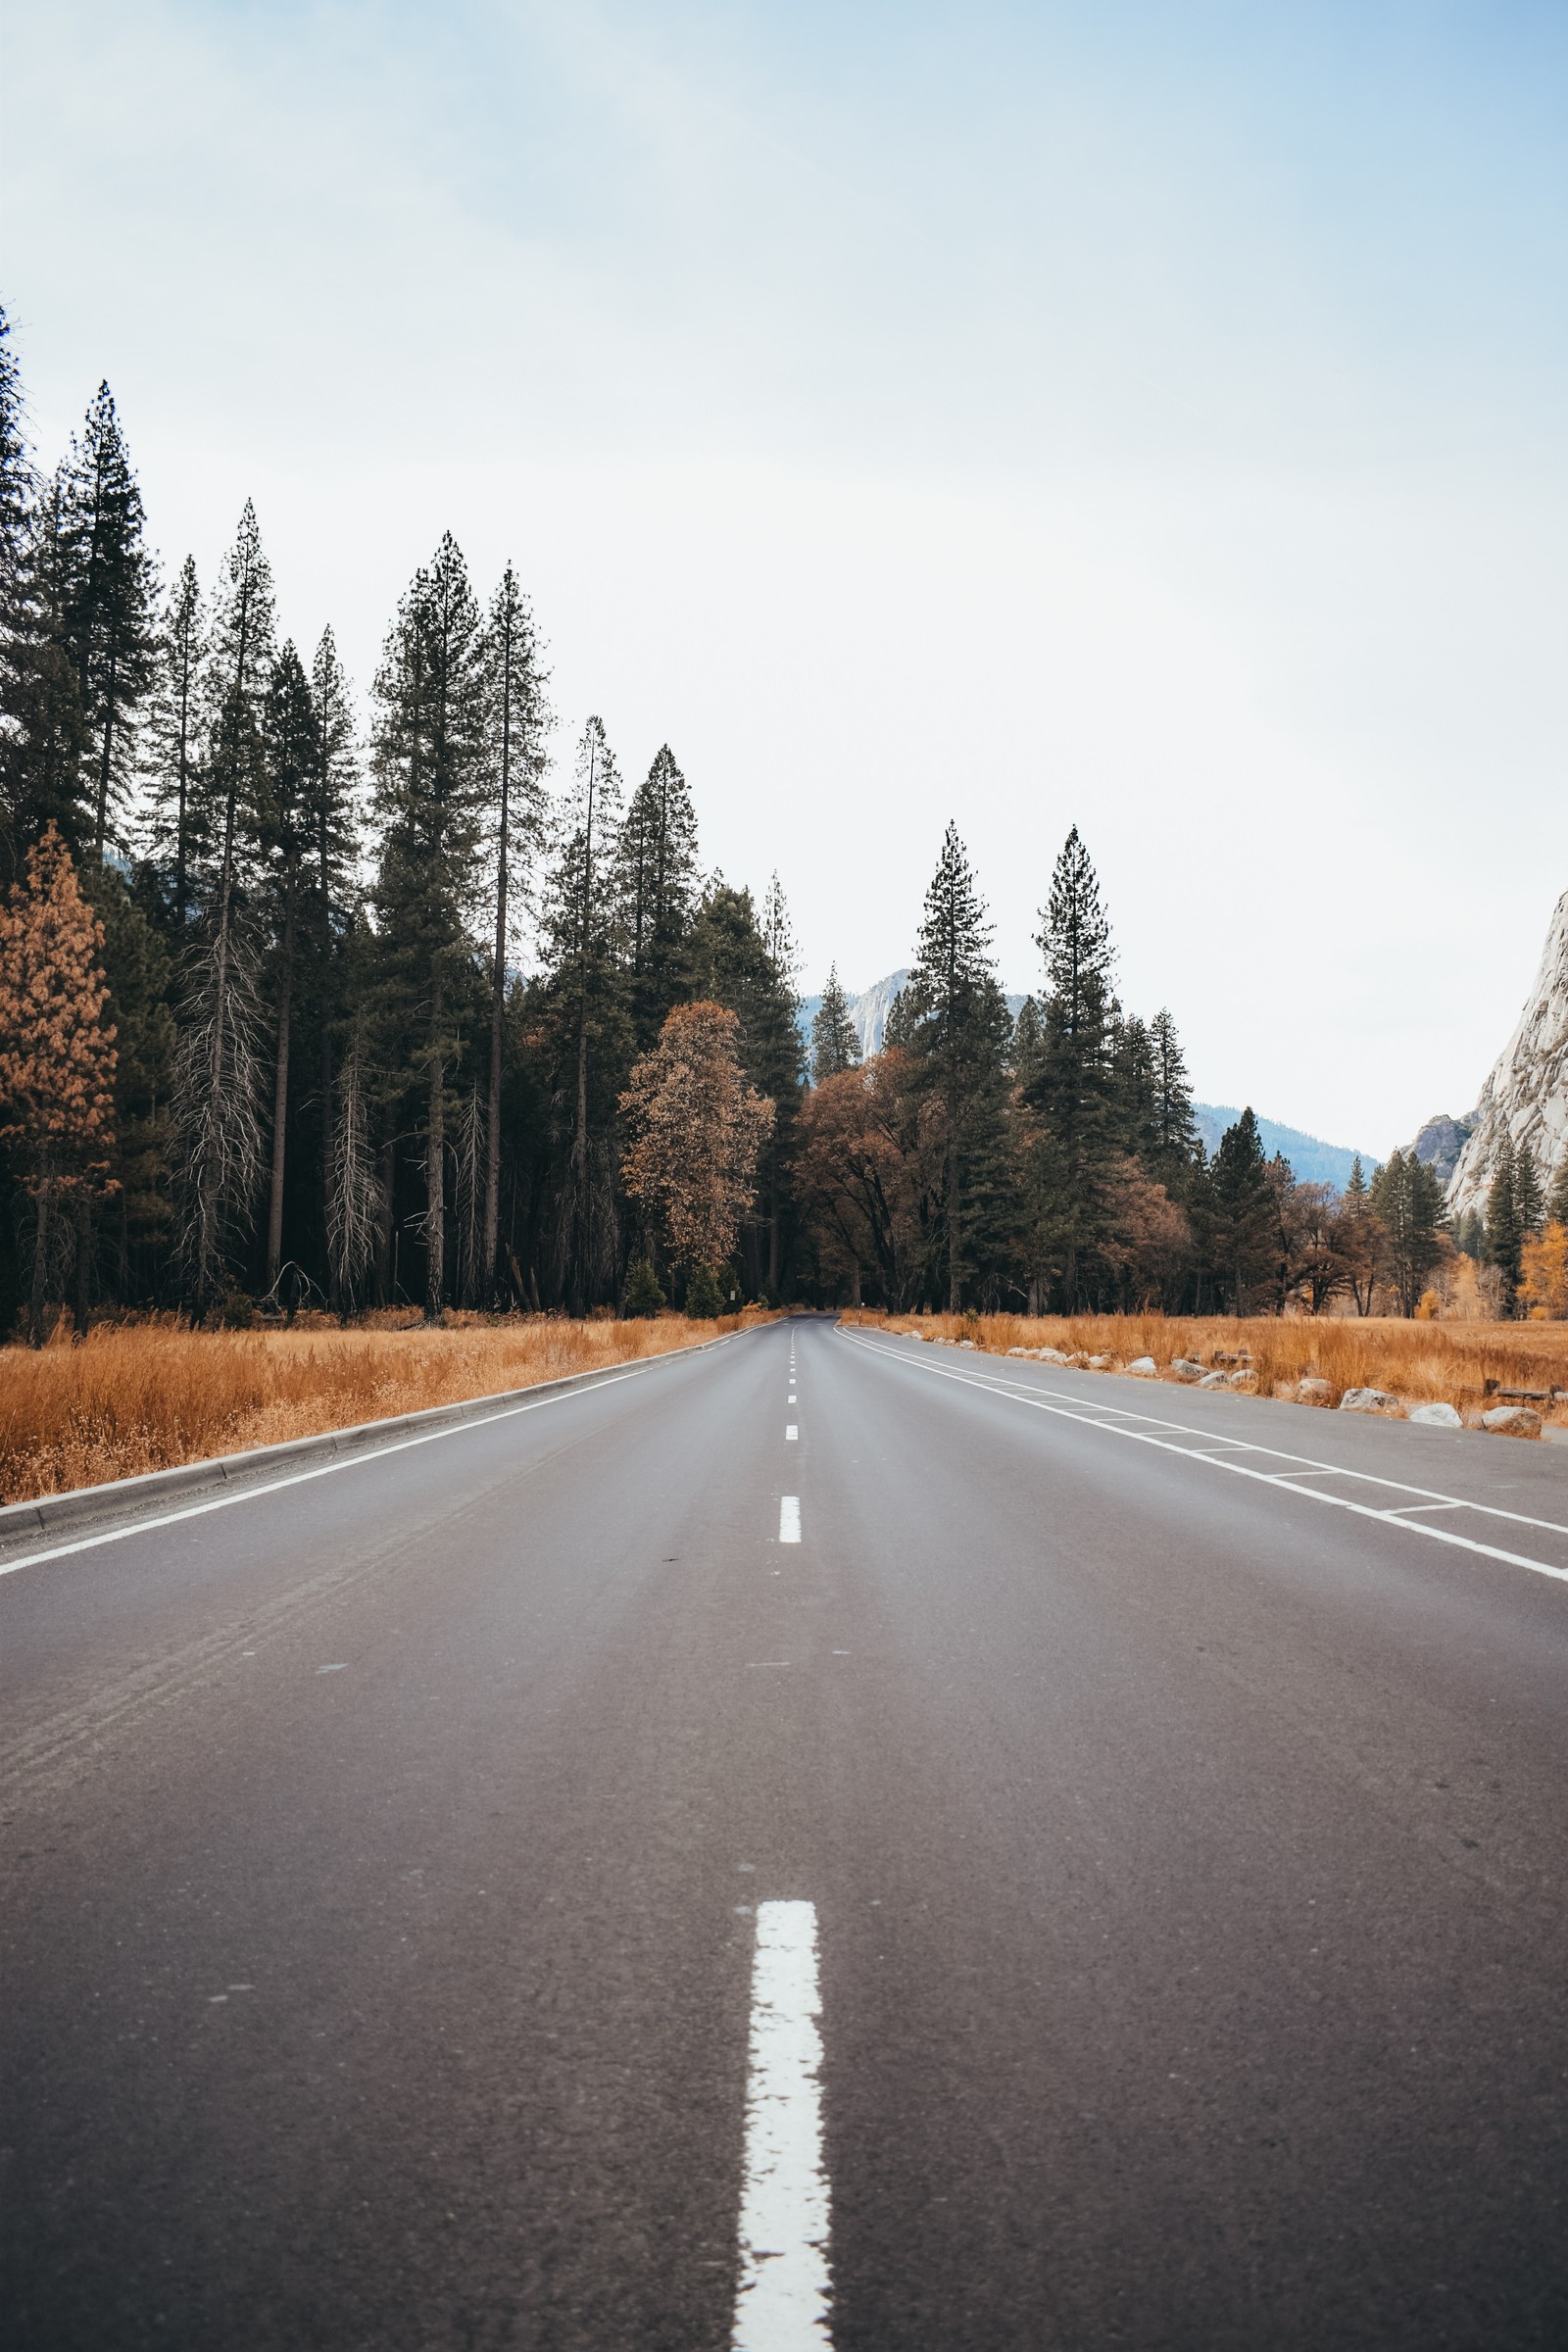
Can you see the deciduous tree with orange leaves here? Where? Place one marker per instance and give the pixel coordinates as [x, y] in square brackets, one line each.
[696, 1133]
[57, 1058]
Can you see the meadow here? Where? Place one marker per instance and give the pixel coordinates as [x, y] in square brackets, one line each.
[138, 1397]
[1420, 1364]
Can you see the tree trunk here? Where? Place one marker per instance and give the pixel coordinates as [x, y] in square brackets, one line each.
[576, 1279]
[41, 1266]
[435, 1231]
[285, 1004]
[82, 1272]
[383, 1241]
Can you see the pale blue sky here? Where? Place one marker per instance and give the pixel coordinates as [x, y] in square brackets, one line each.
[1144, 416]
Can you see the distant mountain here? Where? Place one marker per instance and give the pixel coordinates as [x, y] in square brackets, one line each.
[1312, 1160]
[869, 1012]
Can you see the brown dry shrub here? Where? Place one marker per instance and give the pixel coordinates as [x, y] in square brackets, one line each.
[145, 1396]
[1421, 1362]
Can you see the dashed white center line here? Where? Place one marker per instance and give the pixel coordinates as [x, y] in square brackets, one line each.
[781, 2301]
[791, 1431]
[789, 1518]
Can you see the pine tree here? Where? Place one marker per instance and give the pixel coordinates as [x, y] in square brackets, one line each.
[353, 1195]
[109, 617]
[958, 1032]
[16, 496]
[1243, 1203]
[57, 1058]
[519, 721]
[291, 757]
[45, 735]
[334, 821]
[1529, 1193]
[1133, 1085]
[1408, 1198]
[586, 929]
[1175, 1137]
[835, 1045]
[1505, 1231]
[657, 853]
[1073, 1090]
[172, 746]
[696, 1132]
[430, 751]
[218, 1081]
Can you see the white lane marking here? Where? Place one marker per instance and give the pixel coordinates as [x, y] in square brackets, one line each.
[781, 2301]
[791, 1432]
[789, 1518]
[1065, 1410]
[345, 1461]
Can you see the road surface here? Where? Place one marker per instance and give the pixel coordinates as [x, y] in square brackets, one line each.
[1008, 1865]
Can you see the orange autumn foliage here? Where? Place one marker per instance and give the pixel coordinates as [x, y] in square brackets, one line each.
[696, 1133]
[57, 1058]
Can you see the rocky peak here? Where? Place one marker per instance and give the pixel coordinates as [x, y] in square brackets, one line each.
[1526, 1097]
[1440, 1142]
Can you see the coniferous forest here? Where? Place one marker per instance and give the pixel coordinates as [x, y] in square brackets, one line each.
[337, 994]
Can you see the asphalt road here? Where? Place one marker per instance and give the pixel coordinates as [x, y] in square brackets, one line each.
[385, 1856]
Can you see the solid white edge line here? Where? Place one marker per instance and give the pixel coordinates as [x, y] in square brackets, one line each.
[1340, 1502]
[785, 2285]
[300, 1478]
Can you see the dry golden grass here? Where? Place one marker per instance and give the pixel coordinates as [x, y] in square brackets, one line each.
[145, 1396]
[1419, 1362]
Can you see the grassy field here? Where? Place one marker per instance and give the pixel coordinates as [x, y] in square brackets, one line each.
[145, 1396]
[1421, 1363]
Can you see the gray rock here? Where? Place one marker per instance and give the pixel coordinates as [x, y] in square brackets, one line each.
[1440, 1142]
[1512, 1421]
[1052, 1356]
[1437, 1416]
[1144, 1367]
[1100, 1363]
[1312, 1391]
[1183, 1368]
[1240, 1379]
[1369, 1400]
[1215, 1380]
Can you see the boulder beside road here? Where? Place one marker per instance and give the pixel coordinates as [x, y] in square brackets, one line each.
[1437, 1416]
[1369, 1400]
[1512, 1421]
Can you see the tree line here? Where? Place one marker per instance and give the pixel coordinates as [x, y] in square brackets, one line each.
[269, 1033]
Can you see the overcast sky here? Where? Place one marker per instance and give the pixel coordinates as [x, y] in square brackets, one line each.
[1149, 418]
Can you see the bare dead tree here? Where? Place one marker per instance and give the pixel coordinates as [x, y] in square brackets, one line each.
[216, 1111]
[469, 1146]
[354, 1200]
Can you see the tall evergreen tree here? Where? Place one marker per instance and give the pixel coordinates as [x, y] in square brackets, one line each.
[16, 496]
[1073, 1090]
[221, 1049]
[1529, 1193]
[1175, 1137]
[585, 923]
[333, 821]
[834, 1047]
[45, 735]
[291, 760]
[430, 749]
[172, 743]
[959, 1033]
[659, 862]
[110, 628]
[1244, 1208]
[1506, 1233]
[519, 721]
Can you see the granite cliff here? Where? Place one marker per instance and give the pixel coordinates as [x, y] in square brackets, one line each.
[1526, 1097]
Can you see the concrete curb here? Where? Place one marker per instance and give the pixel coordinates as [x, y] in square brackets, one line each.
[83, 1507]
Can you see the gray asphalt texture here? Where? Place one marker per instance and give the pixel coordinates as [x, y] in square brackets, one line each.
[1187, 1857]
